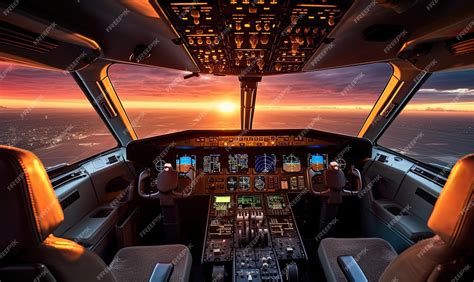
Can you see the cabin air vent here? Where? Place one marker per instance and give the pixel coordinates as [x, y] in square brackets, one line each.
[428, 175]
[68, 177]
[112, 159]
[381, 158]
[18, 37]
[461, 45]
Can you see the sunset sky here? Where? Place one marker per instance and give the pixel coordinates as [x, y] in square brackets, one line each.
[155, 88]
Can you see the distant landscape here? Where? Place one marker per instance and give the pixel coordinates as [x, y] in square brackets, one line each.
[439, 137]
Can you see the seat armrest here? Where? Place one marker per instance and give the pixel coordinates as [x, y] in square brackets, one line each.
[351, 269]
[94, 226]
[161, 272]
[402, 219]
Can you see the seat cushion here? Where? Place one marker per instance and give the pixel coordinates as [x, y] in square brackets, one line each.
[373, 255]
[137, 263]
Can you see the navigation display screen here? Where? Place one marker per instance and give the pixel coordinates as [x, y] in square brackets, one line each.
[318, 162]
[265, 163]
[238, 163]
[211, 163]
[249, 202]
[291, 163]
[185, 162]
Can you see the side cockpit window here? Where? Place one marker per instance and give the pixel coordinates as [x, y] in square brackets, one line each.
[46, 112]
[437, 125]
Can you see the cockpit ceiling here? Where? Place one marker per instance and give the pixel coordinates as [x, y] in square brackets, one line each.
[253, 37]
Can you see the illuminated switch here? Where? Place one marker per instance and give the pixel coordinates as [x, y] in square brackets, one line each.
[300, 40]
[278, 67]
[258, 27]
[240, 55]
[284, 185]
[253, 41]
[238, 26]
[266, 27]
[195, 14]
[294, 49]
[331, 21]
[262, 54]
[252, 10]
[264, 39]
[260, 64]
[199, 41]
[239, 40]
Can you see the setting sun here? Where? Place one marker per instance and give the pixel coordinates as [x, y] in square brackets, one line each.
[227, 107]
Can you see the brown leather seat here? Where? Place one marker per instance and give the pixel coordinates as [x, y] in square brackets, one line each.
[30, 212]
[445, 257]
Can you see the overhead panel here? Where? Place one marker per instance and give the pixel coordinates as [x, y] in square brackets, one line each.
[253, 38]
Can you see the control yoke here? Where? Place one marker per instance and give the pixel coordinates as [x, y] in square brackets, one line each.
[166, 184]
[336, 186]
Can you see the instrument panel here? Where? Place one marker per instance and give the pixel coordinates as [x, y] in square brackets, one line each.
[251, 171]
[220, 163]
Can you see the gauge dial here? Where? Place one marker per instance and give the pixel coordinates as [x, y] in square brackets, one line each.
[259, 183]
[160, 165]
[232, 183]
[244, 183]
[291, 163]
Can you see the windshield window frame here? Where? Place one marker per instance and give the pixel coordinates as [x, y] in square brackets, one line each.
[390, 74]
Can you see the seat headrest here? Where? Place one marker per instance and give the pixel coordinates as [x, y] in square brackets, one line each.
[29, 208]
[453, 214]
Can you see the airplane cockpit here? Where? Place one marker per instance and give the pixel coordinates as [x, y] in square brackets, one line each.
[236, 140]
